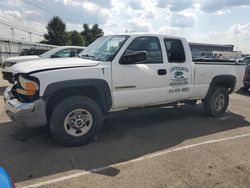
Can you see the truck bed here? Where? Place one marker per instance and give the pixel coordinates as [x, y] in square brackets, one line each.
[204, 73]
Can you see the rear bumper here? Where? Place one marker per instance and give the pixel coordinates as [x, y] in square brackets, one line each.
[30, 115]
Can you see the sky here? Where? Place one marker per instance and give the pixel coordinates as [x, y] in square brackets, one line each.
[206, 21]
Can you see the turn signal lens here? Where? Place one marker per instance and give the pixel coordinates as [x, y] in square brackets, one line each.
[29, 87]
[25, 92]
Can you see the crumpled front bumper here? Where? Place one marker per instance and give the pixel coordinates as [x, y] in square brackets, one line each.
[30, 115]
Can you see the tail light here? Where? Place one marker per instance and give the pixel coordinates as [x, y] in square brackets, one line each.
[246, 71]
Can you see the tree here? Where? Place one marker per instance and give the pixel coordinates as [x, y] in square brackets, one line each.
[75, 38]
[91, 34]
[56, 32]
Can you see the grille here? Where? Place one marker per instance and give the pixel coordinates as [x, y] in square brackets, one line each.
[8, 76]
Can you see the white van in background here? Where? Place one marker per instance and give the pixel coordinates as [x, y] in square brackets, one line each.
[59, 52]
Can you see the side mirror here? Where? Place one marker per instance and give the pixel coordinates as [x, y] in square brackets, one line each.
[134, 57]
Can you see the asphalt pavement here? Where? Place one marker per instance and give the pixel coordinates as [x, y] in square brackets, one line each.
[155, 147]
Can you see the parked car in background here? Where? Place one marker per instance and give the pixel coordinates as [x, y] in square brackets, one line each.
[238, 60]
[5, 180]
[246, 61]
[33, 51]
[59, 52]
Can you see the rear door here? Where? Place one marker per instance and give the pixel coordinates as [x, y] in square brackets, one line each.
[180, 69]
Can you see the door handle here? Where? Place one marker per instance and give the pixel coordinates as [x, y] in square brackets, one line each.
[162, 72]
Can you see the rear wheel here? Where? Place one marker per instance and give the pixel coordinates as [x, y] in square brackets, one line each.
[76, 120]
[216, 104]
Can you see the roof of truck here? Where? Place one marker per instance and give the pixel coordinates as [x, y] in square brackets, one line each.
[147, 34]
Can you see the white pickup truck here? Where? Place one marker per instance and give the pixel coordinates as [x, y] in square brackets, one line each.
[114, 73]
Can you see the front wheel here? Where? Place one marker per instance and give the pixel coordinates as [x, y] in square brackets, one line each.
[75, 120]
[216, 104]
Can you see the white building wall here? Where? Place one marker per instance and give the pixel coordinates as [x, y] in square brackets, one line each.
[10, 48]
[227, 55]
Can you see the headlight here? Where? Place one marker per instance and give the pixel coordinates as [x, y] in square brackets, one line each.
[29, 87]
[8, 64]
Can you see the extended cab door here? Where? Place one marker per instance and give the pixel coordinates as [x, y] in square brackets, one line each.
[141, 83]
[180, 69]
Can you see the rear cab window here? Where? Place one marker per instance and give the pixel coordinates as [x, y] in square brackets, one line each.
[175, 50]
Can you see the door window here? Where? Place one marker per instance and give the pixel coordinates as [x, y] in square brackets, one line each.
[175, 51]
[151, 45]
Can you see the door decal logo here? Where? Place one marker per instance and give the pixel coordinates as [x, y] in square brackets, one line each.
[178, 74]
[179, 79]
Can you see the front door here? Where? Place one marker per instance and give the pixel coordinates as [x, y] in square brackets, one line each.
[180, 70]
[141, 83]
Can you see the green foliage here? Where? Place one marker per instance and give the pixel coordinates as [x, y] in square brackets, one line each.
[75, 38]
[91, 34]
[57, 35]
[56, 32]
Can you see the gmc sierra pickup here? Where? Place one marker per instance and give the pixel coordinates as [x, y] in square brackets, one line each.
[114, 73]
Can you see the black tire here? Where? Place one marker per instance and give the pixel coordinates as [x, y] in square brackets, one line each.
[210, 105]
[63, 109]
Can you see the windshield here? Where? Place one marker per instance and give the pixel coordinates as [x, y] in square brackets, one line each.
[104, 48]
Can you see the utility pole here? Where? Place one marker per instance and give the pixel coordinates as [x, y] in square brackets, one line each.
[12, 30]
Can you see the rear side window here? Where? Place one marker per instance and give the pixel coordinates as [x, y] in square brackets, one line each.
[175, 50]
[149, 44]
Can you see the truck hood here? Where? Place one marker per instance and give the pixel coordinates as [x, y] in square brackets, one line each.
[49, 64]
[21, 58]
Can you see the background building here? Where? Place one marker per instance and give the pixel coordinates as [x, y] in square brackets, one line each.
[10, 48]
[214, 50]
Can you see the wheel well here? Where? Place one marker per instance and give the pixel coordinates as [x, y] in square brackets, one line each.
[226, 81]
[92, 92]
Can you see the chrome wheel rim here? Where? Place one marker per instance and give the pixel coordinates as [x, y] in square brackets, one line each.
[219, 102]
[78, 122]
